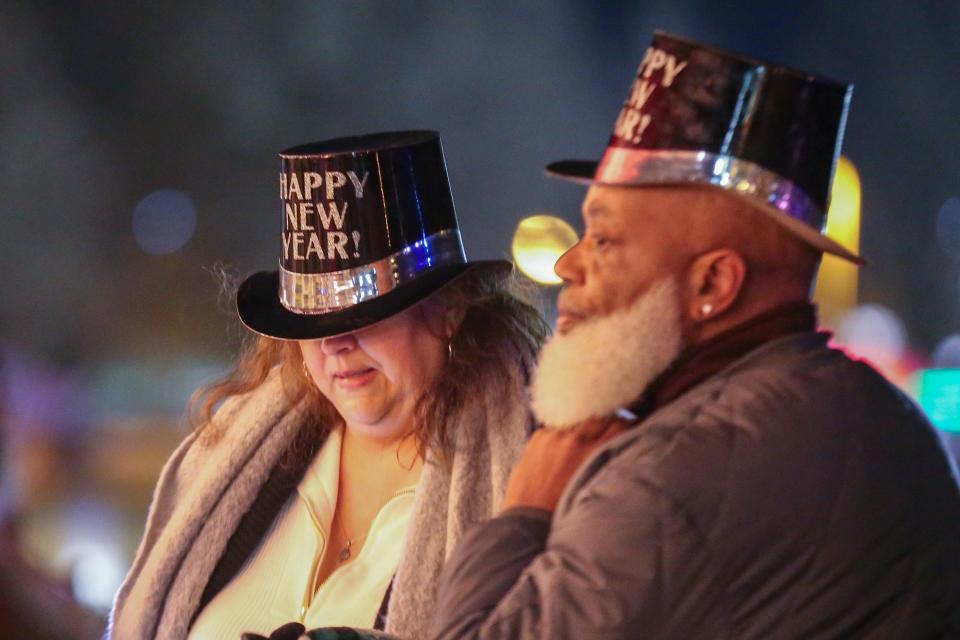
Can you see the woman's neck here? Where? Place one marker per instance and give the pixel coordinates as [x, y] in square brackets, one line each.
[379, 463]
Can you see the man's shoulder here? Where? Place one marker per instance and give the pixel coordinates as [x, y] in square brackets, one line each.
[764, 424]
[780, 387]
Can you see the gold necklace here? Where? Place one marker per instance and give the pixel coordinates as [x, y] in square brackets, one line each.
[347, 550]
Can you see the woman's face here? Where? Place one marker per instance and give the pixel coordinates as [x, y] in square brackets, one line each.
[375, 376]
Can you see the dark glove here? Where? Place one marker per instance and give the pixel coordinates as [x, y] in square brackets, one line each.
[346, 633]
[289, 631]
[295, 631]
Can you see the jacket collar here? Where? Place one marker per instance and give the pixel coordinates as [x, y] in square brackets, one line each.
[708, 358]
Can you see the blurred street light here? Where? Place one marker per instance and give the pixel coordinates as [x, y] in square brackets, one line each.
[836, 288]
[538, 243]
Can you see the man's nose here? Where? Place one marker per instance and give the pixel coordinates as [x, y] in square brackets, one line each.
[567, 266]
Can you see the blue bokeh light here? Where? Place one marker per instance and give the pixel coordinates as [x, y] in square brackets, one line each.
[947, 353]
[164, 221]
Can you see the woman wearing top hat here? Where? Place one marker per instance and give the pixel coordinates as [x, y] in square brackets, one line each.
[373, 420]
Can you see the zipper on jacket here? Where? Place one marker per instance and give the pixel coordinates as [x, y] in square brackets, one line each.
[312, 587]
[314, 570]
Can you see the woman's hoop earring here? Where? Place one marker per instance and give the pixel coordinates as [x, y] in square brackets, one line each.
[306, 372]
[449, 350]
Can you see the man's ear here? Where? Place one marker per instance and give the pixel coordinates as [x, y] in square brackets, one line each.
[715, 282]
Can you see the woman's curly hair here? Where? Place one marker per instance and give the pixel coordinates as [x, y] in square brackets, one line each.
[500, 330]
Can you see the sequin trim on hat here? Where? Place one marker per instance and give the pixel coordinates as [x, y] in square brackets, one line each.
[642, 166]
[318, 293]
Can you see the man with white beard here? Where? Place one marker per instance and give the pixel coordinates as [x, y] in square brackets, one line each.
[709, 467]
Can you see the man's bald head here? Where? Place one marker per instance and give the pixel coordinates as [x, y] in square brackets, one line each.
[779, 264]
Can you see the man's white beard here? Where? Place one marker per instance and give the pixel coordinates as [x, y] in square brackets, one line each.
[604, 364]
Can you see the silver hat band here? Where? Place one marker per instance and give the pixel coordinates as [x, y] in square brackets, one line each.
[316, 293]
[642, 166]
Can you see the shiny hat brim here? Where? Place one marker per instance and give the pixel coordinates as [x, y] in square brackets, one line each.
[260, 310]
[583, 172]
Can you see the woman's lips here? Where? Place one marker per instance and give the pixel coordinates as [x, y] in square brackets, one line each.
[354, 378]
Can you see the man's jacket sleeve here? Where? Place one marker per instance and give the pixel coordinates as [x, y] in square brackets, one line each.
[618, 562]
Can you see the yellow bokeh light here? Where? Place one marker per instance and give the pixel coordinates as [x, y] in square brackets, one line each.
[537, 244]
[836, 291]
[843, 219]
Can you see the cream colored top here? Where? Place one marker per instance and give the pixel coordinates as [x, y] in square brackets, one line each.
[274, 585]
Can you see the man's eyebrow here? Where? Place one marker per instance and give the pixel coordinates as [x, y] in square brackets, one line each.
[595, 211]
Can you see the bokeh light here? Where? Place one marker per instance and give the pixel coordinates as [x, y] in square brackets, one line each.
[875, 333]
[948, 227]
[82, 538]
[947, 353]
[164, 221]
[97, 570]
[940, 398]
[538, 243]
[836, 289]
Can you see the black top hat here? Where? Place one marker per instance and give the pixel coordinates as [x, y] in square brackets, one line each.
[697, 114]
[368, 230]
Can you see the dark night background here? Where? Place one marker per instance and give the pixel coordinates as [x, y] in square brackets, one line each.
[104, 103]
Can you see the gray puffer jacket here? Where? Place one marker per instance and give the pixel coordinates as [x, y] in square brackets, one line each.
[796, 494]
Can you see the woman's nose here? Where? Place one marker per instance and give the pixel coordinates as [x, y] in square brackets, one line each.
[338, 345]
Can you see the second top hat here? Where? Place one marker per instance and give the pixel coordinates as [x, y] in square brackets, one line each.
[697, 114]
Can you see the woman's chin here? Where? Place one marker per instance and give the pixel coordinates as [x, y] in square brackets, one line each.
[375, 425]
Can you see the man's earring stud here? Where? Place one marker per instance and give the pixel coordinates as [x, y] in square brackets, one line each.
[706, 309]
